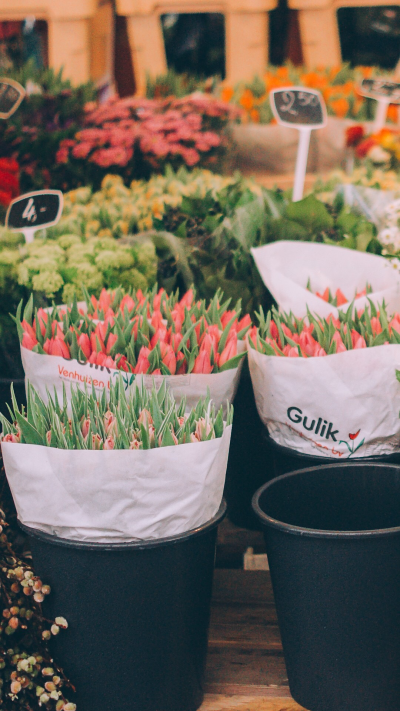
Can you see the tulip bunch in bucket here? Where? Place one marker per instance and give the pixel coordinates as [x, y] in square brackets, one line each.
[137, 420]
[281, 334]
[338, 298]
[140, 333]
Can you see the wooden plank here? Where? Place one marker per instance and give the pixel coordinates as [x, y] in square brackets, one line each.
[218, 702]
[244, 667]
[246, 626]
[247, 587]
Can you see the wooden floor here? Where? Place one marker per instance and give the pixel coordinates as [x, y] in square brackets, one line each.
[245, 667]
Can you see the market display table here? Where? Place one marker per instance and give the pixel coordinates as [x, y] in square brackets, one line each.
[245, 667]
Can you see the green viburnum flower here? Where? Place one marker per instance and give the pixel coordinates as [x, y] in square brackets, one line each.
[89, 275]
[10, 239]
[133, 278]
[100, 243]
[80, 195]
[10, 257]
[146, 260]
[48, 282]
[120, 259]
[68, 240]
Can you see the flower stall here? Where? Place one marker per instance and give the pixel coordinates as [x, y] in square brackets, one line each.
[178, 337]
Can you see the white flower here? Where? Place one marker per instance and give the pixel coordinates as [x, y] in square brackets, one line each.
[378, 155]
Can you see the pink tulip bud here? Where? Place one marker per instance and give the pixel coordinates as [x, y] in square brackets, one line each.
[109, 443]
[319, 351]
[96, 441]
[157, 320]
[161, 335]
[57, 347]
[12, 437]
[84, 344]
[181, 364]
[157, 300]
[230, 351]
[105, 300]
[28, 329]
[291, 351]
[202, 363]
[340, 347]
[226, 317]
[143, 365]
[175, 340]
[187, 299]
[145, 418]
[43, 317]
[85, 424]
[128, 302]
[28, 342]
[97, 343]
[168, 357]
[111, 341]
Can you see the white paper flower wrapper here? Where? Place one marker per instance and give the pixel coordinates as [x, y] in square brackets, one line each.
[44, 371]
[118, 495]
[286, 266]
[316, 405]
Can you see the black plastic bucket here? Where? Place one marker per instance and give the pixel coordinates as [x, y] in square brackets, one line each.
[333, 542]
[138, 616]
[285, 459]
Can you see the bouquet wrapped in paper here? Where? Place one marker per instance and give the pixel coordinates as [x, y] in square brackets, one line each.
[128, 467]
[193, 345]
[327, 386]
[298, 274]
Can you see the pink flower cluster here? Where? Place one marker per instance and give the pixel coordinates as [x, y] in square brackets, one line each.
[187, 131]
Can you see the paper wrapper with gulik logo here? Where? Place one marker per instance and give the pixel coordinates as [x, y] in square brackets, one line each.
[48, 372]
[344, 405]
[117, 495]
[286, 267]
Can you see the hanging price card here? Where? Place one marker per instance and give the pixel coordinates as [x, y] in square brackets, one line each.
[385, 92]
[34, 211]
[11, 95]
[305, 110]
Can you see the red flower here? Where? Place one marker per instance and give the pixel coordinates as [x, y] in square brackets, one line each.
[354, 134]
[355, 435]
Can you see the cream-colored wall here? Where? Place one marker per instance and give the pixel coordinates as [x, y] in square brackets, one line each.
[246, 27]
[69, 30]
[319, 28]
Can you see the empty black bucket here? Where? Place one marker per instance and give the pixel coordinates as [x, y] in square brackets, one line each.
[285, 459]
[138, 616]
[333, 542]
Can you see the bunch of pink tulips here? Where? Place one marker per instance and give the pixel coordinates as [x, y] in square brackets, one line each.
[140, 333]
[285, 335]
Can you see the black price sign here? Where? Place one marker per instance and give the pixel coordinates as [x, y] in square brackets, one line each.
[297, 107]
[381, 89]
[11, 95]
[34, 211]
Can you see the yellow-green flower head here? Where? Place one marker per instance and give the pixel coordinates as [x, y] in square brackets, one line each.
[10, 239]
[80, 195]
[88, 275]
[10, 257]
[67, 241]
[48, 282]
[120, 259]
[133, 278]
[146, 260]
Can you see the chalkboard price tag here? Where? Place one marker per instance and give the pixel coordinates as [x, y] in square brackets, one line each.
[296, 107]
[34, 211]
[11, 95]
[381, 89]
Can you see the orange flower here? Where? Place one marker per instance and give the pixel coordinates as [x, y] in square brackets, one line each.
[340, 107]
[227, 94]
[247, 100]
[282, 72]
[255, 116]
[393, 113]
